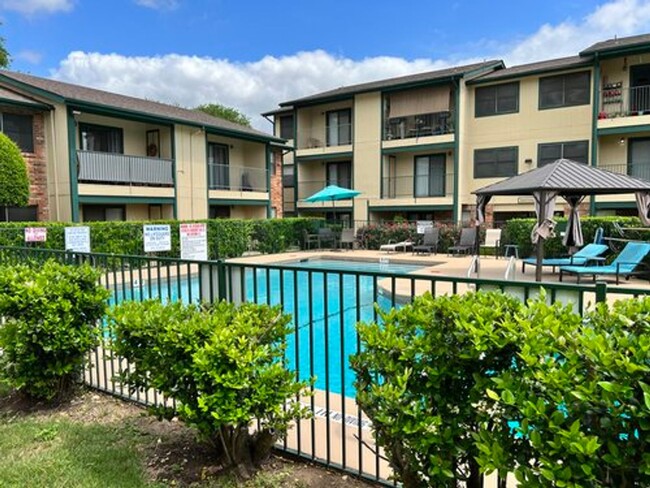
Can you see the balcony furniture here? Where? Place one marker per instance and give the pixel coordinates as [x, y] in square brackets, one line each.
[347, 238]
[492, 241]
[326, 235]
[466, 242]
[309, 239]
[246, 183]
[396, 246]
[429, 244]
[588, 254]
[625, 264]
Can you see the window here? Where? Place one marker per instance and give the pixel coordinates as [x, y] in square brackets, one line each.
[19, 214]
[20, 129]
[101, 213]
[218, 167]
[339, 127]
[495, 163]
[340, 174]
[287, 176]
[576, 151]
[286, 126]
[498, 99]
[430, 176]
[564, 90]
[100, 138]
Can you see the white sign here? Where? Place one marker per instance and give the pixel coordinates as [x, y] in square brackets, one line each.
[194, 241]
[35, 234]
[157, 238]
[77, 239]
[424, 225]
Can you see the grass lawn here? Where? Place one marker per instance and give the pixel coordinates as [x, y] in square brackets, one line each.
[98, 441]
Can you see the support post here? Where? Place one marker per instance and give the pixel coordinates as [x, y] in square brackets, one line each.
[540, 241]
[601, 292]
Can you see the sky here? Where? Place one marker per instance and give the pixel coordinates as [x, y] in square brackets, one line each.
[254, 54]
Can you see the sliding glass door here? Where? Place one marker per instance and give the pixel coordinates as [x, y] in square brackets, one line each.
[430, 176]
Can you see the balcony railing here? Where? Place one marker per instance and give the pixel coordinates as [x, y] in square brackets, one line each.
[237, 178]
[616, 101]
[418, 126]
[421, 186]
[638, 170]
[341, 135]
[308, 188]
[101, 167]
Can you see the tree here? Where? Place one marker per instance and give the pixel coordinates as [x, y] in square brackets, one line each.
[223, 112]
[14, 184]
[5, 58]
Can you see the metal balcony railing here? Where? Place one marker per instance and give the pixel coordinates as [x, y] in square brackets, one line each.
[418, 126]
[340, 135]
[101, 167]
[638, 170]
[420, 186]
[237, 178]
[616, 101]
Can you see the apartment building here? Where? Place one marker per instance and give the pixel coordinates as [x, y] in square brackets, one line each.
[417, 146]
[95, 155]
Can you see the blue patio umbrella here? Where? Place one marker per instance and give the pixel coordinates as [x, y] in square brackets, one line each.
[332, 193]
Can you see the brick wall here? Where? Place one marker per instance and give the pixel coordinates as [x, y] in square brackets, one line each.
[37, 169]
[276, 184]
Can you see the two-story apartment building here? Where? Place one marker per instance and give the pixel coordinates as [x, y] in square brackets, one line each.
[417, 146]
[95, 155]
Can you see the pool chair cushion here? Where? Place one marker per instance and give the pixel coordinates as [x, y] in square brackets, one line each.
[396, 246]
[580, 258]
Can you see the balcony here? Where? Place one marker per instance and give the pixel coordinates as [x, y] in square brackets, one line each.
[636, 170]
[325, 140]
[121, 169]
[415, 126]
[616, 101]
[225, 177]
[415, 187]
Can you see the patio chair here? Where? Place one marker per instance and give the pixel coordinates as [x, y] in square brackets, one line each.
[429, 242]
[625, 264]
[347, 238]
[466, 242]
[326, 235]
[396, 246]
[492, 241]
[309, 239]
[586, 255]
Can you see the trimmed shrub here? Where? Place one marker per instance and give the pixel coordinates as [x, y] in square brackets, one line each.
[51, 314]
[376, 234]
[422, 376]
[223, 364]
[14, 184]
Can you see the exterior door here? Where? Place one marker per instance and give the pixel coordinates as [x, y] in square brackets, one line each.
[430, 176]
[638, 162]
[218, 167]
[640, 88]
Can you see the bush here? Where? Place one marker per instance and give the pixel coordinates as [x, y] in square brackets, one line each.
[374, 235]
[14, 184]
[223, 364]
[421, 376]
[517, 231]
[51, 315]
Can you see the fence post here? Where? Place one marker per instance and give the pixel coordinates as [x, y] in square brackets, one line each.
[601, 292]
[221, 280]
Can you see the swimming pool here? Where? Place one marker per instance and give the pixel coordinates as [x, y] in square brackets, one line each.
[326, 306]
[385, 265]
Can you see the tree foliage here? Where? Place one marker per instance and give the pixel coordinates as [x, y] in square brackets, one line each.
[223, 364]
[224, 112]
[14, 184]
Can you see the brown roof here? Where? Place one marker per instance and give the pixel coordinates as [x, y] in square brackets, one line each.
[78, 93]
[532, 68]
[617, 43]
[278, 111]
[12, 96]
[456, 71]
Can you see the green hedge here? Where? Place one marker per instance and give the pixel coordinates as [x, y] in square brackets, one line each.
[517, 231]
[227, 238]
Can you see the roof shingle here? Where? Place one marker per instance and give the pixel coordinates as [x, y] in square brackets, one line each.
[541, 66]
[617, 43]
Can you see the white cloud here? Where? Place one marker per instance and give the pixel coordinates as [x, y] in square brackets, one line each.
[258, 86]
[158, 4]
[32, 57]
[30, 7]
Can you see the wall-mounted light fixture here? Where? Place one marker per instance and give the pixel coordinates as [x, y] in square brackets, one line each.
[528, 161]
[621, 141]
[624, 64]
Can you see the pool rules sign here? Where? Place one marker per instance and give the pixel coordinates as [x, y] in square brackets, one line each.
[157, 238]
[194, 241]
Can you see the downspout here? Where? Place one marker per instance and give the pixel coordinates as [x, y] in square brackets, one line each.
[53, 165]
[455, 211]
[594, 127]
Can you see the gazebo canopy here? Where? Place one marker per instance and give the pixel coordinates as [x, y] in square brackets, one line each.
[567, 177]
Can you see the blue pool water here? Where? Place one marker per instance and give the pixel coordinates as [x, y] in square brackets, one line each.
[326, 311]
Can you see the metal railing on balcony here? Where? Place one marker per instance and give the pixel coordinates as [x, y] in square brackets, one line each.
[420, 186]
[308, 188]
[340, 135]
[637, 170]
[237, 178]
[418, 126]
[101, 167]
[616, 101]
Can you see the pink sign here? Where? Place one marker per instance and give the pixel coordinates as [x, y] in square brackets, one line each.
[194, 241]
[35, 234]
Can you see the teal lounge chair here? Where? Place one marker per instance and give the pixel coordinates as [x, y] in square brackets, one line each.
[584, 256]
[625, 264]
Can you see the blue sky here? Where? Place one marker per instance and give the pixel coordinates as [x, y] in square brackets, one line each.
[253, 54]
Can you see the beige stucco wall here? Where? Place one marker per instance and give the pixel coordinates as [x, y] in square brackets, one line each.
[191, 173]
[366, 165]
[58, 163]
[618, 69]
[311, 123]
[247, 212]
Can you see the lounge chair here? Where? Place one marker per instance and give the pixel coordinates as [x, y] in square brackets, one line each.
[586, 255]
[326, 235]
[492, 241]
[429, 243]
[309, 239]
[466, 242]
[396, 246]
[625, 264]
[347, 238]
